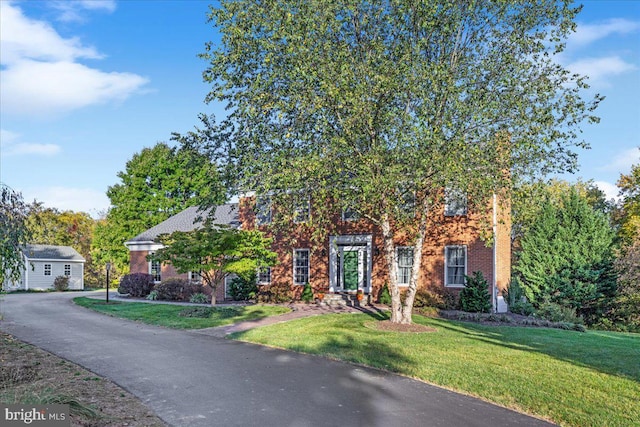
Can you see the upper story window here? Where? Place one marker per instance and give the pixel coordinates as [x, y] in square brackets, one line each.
[349, 214]
[47, 269]
[300, 266]
[455, 202]
[406, 199]
[67, 269]
[263, 210]
[405, 264]
[302, 209]
[264, 276]
[455, 265]
[194, 277]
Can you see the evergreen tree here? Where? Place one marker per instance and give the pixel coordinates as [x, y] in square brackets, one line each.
[566, 256]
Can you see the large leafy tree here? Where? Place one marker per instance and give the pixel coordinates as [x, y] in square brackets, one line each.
[629, 220]
[566, 255]
[369, 104]
[157, 183]
[50, 226]
[215, 252]
[14, 233]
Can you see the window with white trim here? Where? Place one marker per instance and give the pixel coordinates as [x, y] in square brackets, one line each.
[300, 266]
[47, 269]
[67, 269]
[350, 214]
[455, 265]
[194, 277]
[404, 255]
[263, 210]
[455, 202]
[154, 270]
[264, 276]
[406, 199]
[302, 209]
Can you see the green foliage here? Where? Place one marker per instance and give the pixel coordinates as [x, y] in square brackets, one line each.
[307, 293]
[566, 255]
[436, 297]
[153, 295]
[475, 297]
[199, 298]
[384, 297]
[157, 183]
[50, 226]
[216, 251]
[557, 313]
[516, 300]
[243, 289]
[629, 221]
[275, 293]
[367, 102]
[136, 284]
[14, 234]
[61, 283]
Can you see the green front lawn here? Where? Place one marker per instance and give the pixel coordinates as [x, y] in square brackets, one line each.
[168, 314]
[571, 378]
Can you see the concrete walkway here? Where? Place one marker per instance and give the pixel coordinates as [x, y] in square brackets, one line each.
[195, 380]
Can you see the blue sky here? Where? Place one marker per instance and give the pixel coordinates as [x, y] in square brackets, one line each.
[84, 85]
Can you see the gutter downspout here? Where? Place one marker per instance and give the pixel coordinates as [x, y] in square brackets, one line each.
[494, 282]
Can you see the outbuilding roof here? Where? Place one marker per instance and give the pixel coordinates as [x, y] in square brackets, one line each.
[51, 252]
[190, 219]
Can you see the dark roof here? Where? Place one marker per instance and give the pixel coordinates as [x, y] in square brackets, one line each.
[186, 220]
[51, 252]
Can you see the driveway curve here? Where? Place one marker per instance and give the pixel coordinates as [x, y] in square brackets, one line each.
[193, 379]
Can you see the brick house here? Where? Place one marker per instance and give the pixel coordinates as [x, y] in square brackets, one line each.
[351, 258]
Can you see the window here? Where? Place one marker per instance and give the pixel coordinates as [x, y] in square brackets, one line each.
[263, 210]
[406, 199]
[154, 270]
[405, 264]
[47, 269]
[302, 209]
[194, 276]
[349, 214]
[455, 268]
[300, 266]
[67, 269]
[264, 276]
[455, 202]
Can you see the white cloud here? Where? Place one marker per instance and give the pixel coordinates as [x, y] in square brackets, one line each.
[623, 161]
[12, 145]
[588, 33]
[610, 190]
[599, 69]
[42, 75]
[71, 10]
[86, 200]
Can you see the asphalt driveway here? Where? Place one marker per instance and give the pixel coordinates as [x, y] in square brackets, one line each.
[193, 379]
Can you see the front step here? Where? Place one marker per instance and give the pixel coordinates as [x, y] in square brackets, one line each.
[342, 300]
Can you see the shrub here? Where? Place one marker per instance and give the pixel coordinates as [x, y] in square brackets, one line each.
[136, 284]
[437, 297]
[153, 295]
[557, 313]
[175, 289]
[307, 293]
[61, 283]
[384, 297]
[199, 298]
[516, 300]
[475, 297]
[275, 293]
[243, 288]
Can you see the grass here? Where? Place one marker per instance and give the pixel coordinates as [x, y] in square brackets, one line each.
[571, 378]
[168, 315]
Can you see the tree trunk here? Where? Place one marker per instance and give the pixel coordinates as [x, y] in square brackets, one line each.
[407, 309]
[213, 295]
[392, 266]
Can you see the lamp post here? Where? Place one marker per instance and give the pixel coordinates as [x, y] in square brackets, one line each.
[108, 268]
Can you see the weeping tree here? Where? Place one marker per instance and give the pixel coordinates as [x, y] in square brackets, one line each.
[14, 233]
[377, 106]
